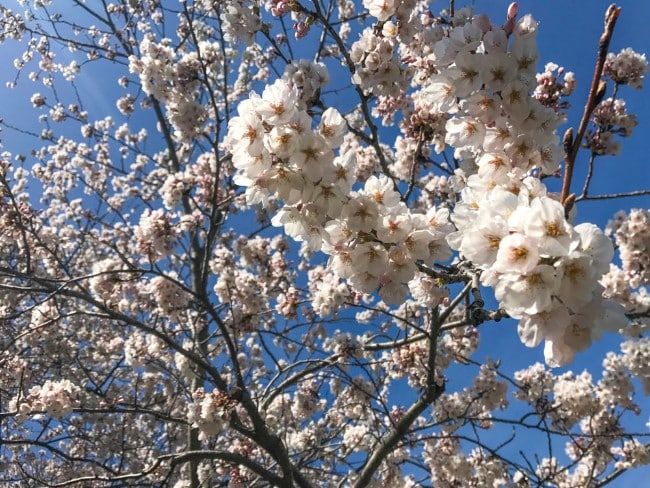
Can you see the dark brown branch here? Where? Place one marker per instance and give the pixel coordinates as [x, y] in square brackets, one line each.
[592, 100]
[176, 459]
[401, 428]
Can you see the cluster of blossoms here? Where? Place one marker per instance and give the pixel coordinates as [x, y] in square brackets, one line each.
[616, 285]
[246, 278]
[198, 177]
[373, 239]
[327, 291]
[632, 235]
[610, 119]
[544, 270]
[242, 289]
[500, 119]
[171, 298]
[156, 234]
[378, 70]
[626, 68]
[455, 346]
[174, 82]
[209, 412]
[487, 393]
[636, 358]
[307, 77]
[451, 467]
[240, 20]
[570, 400]
[110, 285]
[207, 357]
[55, 398]
[302, 23]
[553, 84]
[141, 349]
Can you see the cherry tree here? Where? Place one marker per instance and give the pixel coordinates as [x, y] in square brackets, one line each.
[273, 262]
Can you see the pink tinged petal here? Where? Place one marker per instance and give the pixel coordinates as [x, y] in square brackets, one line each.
[528, 294]
[517, 253]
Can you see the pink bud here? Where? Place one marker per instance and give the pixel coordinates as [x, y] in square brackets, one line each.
[302, 29]
[513, 8]
[510, 18]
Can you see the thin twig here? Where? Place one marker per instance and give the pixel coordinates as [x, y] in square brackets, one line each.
[386, 445]
[609, 196]
[590, 174]
[592, 100]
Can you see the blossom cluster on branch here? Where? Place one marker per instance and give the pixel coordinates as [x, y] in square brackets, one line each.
[544, 270]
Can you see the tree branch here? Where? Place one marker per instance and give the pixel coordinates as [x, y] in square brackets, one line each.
[592, 100]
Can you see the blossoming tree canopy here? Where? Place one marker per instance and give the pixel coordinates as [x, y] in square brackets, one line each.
[500, 121]
[272, 259]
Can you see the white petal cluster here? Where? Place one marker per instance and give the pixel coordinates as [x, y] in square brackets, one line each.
[109, 284]
[174, 82]
[246, 294]
[209, 412]
[500, 119]
[633, 453]
[574, 403]
[328, 292]
[632, 235]
[308, 77]
[172, 299]
[55, 398]
[636, 357]
[373, 239]
[544, 270]
[378, 70]
[626, 68]
[488, 393]
[240, 21]
[156, 235]
[382, 9]
[131, 311]
[574, 397]
[553, 84]
[356, 438]
[451, 467]
[141, 349]
[611, 119]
